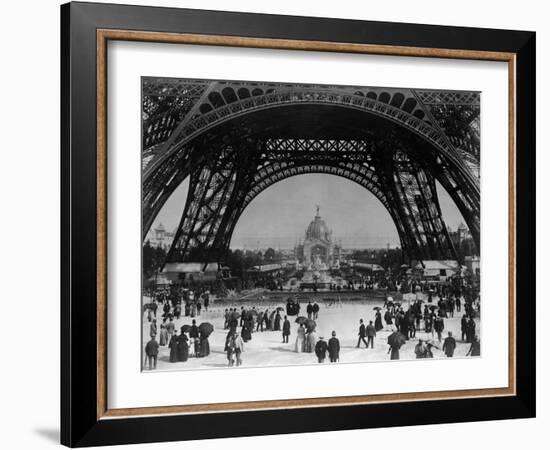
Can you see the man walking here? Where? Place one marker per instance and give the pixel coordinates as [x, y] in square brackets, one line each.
[362, 334]
[464, 327]
[309, 310]
[151, 351]
[371, 333]
[449, 345]
[334, 348]
[321, 349]
[315, 310]
[286, 330]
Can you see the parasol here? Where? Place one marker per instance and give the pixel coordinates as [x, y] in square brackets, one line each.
[206, 329]
[280, 308]
[235, 314]
[432, 343]
[301, 319]
[433, 308]
[377, 308]
[396, 339]
[310, 325]
[397, 303]
[185, 328]
[251, 313]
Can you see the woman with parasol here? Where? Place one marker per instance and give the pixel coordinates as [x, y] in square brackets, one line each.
[395, 342]
[378, 319]
[205, 330]
[311, 340]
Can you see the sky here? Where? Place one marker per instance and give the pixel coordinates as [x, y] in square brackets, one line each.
[278, 217]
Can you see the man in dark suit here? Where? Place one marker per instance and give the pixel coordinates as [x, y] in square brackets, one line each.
[321, 349]
[362, 334]
[334, 348]
[193, 336]
[286, 330]
[315, 310]
[464, 327]
[152, 351]
[371, 333]
[449, 345]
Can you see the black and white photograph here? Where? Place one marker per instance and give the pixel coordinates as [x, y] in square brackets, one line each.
[295, 224]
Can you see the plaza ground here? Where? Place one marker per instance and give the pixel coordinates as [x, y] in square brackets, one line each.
[267, 349]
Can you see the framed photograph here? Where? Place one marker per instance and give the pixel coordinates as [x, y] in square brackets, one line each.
[277, 224]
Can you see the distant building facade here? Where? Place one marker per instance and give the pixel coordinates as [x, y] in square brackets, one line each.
[318, 244]
[159, 237]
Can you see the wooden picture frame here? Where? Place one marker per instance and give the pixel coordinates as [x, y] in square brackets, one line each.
[85, 418]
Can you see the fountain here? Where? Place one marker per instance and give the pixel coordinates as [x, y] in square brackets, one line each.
[316, 275]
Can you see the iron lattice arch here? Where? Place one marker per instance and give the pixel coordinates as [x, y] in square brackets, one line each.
[235, 139]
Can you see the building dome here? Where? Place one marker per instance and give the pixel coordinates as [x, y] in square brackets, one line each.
[318, 229]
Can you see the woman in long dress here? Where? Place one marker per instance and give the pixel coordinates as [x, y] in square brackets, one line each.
[394, 352]
[311, 340]
[300, 339]
[271, 325]
[204, 346]
[245, 331]
[277, 324]
[378, 321]
[388, 318]
[183, 348]
[163, 340]
[174, 347]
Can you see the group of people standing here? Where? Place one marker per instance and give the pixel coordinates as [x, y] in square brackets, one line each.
[307, 342]
[189, 342]
[312, 310]
[368, 332]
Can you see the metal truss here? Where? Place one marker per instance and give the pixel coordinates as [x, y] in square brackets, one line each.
[223, 101]
[230, 158]
[457, 113]
[220, 191]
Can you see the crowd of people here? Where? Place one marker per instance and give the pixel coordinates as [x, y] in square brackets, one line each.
[192, 340]
[402, 320]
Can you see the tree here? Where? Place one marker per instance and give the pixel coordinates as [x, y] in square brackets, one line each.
[153, 259]
[269, 254]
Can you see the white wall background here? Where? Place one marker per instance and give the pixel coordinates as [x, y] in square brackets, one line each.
[29, 225]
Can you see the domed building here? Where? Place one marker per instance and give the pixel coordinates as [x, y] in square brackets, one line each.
[318, 243]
